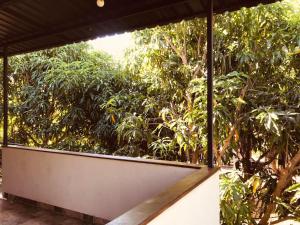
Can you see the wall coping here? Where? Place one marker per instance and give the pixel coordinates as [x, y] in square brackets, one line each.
[108, 157]
[150, 209]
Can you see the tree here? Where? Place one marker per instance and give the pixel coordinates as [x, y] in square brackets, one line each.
[256, 96]
[75, 99]
[57, 98]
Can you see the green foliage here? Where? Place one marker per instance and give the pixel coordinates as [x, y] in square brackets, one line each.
[289, 203]
[133, 130]
[295, 190]
[236, 208]
[75, 99]
[59, 97]
[256, 92]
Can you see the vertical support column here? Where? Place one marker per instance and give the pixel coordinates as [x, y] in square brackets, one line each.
[210, 72]
[5, 98]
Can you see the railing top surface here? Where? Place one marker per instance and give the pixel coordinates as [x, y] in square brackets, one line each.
[109, 157]
[152, 208]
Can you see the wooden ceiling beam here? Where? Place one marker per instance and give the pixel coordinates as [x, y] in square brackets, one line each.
[5, 3]
[109, 20]
[108, 17]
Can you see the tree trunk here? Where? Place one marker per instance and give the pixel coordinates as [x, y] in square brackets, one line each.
[195, 156]
[285, 177]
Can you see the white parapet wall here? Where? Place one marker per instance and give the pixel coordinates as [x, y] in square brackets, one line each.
[199, 207]
[99, 186]
[194, 200]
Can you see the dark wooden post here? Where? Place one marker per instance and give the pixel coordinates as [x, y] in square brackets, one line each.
[5, 98]
[210, 72]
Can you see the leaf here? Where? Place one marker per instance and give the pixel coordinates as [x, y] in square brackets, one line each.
[113, 119]
[294, 187]
[240, 100]
[255, 184]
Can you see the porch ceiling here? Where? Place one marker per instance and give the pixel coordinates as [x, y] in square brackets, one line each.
[29, 25]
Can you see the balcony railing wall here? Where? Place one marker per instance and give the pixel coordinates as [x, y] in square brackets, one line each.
[100, 186]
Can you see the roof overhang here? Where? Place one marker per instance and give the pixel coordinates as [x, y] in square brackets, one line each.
[30, 25]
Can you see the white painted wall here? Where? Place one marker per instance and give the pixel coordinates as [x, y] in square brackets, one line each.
[199, 207]
[95, 186]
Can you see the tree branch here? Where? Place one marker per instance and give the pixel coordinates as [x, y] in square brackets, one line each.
[283, 219]
[233, 128]
[177, 51]
[285, 177]
[31, 137]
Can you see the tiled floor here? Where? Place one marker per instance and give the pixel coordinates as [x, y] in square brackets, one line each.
[19, 214]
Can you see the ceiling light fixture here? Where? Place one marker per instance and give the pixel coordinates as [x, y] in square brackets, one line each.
[100, 3]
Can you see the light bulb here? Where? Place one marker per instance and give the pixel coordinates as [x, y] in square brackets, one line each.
[100, 3]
